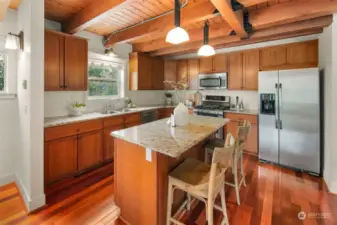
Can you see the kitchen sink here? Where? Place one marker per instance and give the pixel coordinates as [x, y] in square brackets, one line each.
[110, 112]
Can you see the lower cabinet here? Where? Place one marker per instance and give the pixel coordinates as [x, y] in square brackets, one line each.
[133, 124]
[60, 159]
[251, 145]
[164, 113]
[109, 142]
[90, 150]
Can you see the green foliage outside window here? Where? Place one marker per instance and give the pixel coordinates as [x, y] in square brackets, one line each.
[2, 74]
[103, 79]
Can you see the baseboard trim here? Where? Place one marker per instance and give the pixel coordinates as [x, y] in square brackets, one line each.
[31, 204]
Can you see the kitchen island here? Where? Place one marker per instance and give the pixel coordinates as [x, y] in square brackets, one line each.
[145, 154]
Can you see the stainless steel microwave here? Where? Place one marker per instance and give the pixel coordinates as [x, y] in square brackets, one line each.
[213, 81]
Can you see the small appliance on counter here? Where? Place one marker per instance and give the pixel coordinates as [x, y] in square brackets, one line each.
[214, 106]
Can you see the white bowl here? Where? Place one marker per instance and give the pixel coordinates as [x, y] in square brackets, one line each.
[78, 111]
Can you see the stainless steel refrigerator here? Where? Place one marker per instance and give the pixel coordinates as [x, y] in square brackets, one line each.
[289, 119]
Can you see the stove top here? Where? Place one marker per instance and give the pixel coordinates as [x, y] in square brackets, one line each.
[213, 105]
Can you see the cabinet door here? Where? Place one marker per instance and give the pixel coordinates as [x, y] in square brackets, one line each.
[251, 145]
[250, 69]
[170, 73]
[193, 72]
[133, 124]
[182, 70]
[53, 61]
[235, 71]
[90, 150]
[60, 159]
[220, 63]
[206, 65]
[76, 64]
[157, 74]
[273, 58]
[109, 142]
[231, 127]
[303, 55]
[144, 72]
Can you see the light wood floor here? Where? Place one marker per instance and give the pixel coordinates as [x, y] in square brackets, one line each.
[273, 196]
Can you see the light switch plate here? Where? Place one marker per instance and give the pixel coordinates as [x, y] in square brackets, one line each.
[148, 155]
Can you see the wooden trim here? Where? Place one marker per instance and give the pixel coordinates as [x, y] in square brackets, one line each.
[248, 3]
[65, 34]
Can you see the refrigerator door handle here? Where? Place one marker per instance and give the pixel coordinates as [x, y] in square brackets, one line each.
[281, 124]
[276, 124]
[281, 95]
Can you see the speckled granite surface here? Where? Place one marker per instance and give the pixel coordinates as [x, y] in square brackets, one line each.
[171, 141]
[56, 121]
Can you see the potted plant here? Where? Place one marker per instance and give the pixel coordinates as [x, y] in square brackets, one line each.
[168, 96]
[78, 109]
[181, 116]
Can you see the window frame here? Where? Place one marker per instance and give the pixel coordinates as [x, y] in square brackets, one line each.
[92, 57]
[5, 91]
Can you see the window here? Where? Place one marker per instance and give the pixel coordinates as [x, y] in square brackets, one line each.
[104, 78]
[2, 73]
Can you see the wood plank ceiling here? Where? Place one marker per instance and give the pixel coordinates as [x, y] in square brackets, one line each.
[270, 20]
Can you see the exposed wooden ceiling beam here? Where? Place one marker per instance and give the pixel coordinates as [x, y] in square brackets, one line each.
[258, 40]
[92, 13]
[234, 19]
[288, 12]
[215, 30]
[159, 27]
[316, 23]
[3, 8]
[248, 3]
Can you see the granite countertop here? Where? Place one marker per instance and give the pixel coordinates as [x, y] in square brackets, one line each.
[171, 141]
[62, 120]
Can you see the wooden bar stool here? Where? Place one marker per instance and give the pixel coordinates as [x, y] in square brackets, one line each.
[242, 134]
[202, 181]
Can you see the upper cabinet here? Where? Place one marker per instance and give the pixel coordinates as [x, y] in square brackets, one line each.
[145, 72]
[290, 56]
[235, 71]
[250, 69]
[170, 72]
[182, 70]
[66, 62]
[215, 64]
[193, 72]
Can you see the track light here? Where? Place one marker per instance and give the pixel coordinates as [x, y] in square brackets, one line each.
[177, 35]
[206, 49]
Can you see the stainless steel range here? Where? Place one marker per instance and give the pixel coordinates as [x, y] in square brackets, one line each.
[214, 106]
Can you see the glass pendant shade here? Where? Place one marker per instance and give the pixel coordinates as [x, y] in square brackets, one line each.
[177, 35]
[11, 42]
[206, 50]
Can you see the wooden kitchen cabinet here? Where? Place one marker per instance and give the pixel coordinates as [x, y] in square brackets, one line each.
[206, 65]
[109, 142]
[140, 69]
[60, 159]
[182, 70]
[235, 71]
[250, 69]
[170, 72]
[273, 58]
[157, 74]
[214, 64]
[53, 61]
[90, 150]
[164, 113]
[66, 62]
[251, 145]
[75, 64]
[303, 54]
[193, 72]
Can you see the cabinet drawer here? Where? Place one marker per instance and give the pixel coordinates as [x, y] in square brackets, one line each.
[132, 118]
[241, 117]
[113, 121]
[52, 133]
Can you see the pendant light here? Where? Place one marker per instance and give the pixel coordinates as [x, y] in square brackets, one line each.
[206, 49]
[177, 35]
[110, 52]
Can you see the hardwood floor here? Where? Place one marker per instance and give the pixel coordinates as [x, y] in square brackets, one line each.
[273, 196]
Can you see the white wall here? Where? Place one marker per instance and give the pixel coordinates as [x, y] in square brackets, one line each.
[328, 63]
[57, 103]
[30, 101]
[9, 126]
